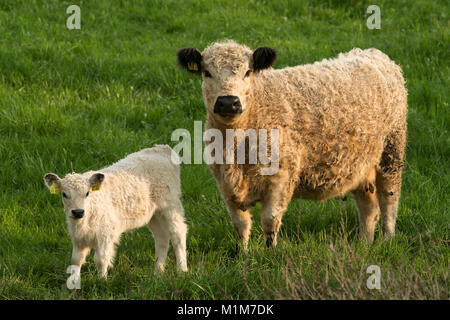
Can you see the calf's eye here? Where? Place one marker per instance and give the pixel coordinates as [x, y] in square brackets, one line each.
[207, 74]
[248, 73]
[64, 195]
[87, 194]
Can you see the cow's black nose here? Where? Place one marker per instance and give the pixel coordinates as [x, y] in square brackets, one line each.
[78, 213]
[228, 106]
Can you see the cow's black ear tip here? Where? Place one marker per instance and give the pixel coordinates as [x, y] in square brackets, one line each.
[264, 57]
[273, 55]
[183, 52]
[189, 54]
[182, 55]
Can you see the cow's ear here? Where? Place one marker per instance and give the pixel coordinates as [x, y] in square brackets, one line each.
[52, 183]
[95, 181]
[263, 58]
[190, 59]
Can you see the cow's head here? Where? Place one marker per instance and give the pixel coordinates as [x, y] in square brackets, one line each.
[74, 190]
[227, 70]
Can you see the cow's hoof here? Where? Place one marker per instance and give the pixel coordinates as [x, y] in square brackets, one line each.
[270, 240]
[240, 248]
[369, 188]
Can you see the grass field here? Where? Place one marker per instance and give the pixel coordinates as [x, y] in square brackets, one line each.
[93, 95]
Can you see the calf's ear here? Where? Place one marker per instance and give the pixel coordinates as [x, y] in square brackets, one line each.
[263, 58]
[95, 181]
[52, 182]
[190, 59]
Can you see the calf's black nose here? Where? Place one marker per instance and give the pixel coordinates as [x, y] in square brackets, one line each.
[228, 106]
[78, 213]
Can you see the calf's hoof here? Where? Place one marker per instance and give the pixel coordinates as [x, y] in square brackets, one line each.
[159, 268]
[183, 268]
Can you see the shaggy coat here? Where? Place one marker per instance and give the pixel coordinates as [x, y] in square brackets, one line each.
[141, 189]
[342, 128]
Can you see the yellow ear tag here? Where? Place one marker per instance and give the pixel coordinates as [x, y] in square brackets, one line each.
[95, 187]
[192, 66]
[54, 189]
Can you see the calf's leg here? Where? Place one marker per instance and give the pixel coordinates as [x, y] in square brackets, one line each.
[158, 226]
[104, 257]
[177, 229]
[79, 255]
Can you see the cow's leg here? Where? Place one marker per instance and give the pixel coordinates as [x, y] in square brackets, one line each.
[242, 223]
[177, 228]
[389, 180]
[274, 206]
[369, 211]
[389, 188]
[161, 234]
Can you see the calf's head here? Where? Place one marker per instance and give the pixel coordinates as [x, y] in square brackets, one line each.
[75, 190]
[228, 71]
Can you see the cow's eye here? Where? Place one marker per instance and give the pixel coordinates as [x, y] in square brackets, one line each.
[207, 74]
[87, 194]
[64, 195]
[248, 73]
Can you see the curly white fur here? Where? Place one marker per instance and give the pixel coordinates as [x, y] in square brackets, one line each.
[141, 189]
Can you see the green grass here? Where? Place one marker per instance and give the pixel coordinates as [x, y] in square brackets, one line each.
[93, 95]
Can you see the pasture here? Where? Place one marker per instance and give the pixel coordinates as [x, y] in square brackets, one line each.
[91, 96]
